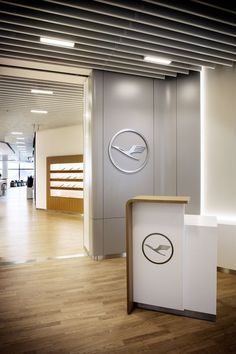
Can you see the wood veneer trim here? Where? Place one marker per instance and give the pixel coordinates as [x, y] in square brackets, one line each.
[129, 257]
[160, 199]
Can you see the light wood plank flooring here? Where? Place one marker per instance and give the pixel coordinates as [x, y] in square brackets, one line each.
[79, 306]
[30, 234]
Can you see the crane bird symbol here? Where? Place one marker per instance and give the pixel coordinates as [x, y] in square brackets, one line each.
[135, 149]
[159, 248]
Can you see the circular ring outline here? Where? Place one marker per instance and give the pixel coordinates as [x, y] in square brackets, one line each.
[110, 146]
[172, 248]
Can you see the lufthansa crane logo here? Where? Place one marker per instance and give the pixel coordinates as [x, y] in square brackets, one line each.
[128, 151]
[157, 248]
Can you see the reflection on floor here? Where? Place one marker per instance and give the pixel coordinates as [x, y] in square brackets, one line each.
[78, 306]
[27, 234]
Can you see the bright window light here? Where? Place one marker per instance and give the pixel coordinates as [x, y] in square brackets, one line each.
[43, 92]
[16, 133]
[157, 60]
[57, 42]
[38, 111]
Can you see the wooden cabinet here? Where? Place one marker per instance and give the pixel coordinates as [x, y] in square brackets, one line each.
[65, 183]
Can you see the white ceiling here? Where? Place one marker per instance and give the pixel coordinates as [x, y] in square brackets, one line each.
[110, 35]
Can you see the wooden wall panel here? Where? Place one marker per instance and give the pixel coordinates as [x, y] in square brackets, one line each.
[62, 203]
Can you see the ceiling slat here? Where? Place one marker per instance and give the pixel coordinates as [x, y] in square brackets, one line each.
[118, 50]
[201, 8]
[80, 53]
[127, 30]
[154, 8]
[85, 61]
[144, 48]
[90, 11]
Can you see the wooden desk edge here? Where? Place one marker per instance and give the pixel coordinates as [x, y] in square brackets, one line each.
[159, 199]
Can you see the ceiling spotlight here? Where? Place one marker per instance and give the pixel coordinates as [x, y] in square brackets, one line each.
[38, 111]
[43, 92]
[16, 133]
[157, 60]
[57, 42]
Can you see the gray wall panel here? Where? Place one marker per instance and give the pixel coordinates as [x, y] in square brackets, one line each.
[167, 113]
[97, 146]
[114, 236]
[128, 103]
[98, 239]
[165, 136]
[188, 140]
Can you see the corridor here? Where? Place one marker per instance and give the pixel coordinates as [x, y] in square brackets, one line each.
[30, 235]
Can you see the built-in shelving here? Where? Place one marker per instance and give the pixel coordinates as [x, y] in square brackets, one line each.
[65, 183]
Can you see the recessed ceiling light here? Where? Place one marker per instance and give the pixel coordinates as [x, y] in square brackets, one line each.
[38, 111]
[16, 133]
[20, 143]
[57, 42]
[157, 60]
[43, 92]
[18, 138]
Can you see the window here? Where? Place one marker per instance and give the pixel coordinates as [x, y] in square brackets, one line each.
[19, 170]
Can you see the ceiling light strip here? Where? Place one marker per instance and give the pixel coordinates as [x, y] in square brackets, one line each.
[57, 42]
[43, 92]
[38, 111]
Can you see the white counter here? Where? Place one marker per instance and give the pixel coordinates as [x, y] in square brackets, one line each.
[171, 258]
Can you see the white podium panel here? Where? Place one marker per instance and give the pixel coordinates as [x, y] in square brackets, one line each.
[158, 273]
[200, 264]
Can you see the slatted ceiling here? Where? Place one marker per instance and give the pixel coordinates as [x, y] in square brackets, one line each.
[111, 35]
[65, 107]
[117, 34]
[184, 14]
[7, 38]
[91, 11]
[120, 55]
[107, 41]
[41, 83]
[94, 60]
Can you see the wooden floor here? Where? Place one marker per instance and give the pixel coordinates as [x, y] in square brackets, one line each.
[79, 306]
[27, 234]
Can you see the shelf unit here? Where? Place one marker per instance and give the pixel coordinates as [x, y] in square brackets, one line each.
[65, 183]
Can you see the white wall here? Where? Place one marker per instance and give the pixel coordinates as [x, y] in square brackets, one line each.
[218, 98]
[54, 142]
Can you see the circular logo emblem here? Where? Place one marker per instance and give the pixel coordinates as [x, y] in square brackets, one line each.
[128, 151]
[157, 248]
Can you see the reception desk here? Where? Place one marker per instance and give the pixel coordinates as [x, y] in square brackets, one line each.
[171, 258]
